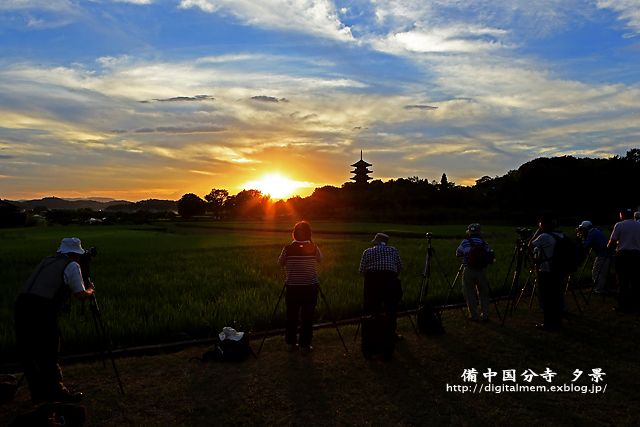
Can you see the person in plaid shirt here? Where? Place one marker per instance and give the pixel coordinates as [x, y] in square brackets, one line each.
[380, 266]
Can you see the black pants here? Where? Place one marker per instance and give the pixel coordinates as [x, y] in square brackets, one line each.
[301, 301]
[38, 344]
[382, 287]
[627, 264]
[551, 298]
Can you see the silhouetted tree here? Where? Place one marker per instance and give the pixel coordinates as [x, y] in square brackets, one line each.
[216, 200]
[191, 205]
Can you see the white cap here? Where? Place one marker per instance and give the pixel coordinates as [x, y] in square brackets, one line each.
[70, 245]
[586, 224]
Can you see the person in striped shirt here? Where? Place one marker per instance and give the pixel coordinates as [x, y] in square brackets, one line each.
[475, 274]
[299, 259]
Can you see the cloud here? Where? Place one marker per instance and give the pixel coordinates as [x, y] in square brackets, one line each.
[419, 107]
[188, 98]
[187, 129]
[315, 17]
[629, 11]
[263, 98]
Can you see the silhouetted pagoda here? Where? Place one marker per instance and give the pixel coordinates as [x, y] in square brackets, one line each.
[361, 172]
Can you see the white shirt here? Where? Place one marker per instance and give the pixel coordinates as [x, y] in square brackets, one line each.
[73, 277]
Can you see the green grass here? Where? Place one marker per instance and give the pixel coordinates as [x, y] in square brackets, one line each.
[170, 282]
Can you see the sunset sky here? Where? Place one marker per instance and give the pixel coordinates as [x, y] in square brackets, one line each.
[139, 99]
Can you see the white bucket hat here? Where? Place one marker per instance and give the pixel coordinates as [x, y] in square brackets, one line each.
[70, 245]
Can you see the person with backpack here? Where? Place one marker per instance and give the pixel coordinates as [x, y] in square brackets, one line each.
[299, 259]
[550, 273]
[36, 312]
[476, 255]
[625, 240]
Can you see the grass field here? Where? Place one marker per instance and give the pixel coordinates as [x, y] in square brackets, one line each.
[414, 388]
[181, 281]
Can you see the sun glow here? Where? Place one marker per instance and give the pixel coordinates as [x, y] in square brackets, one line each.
[277, 186]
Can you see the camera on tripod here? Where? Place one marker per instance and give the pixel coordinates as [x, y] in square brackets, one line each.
[524, 233]
[88, 255]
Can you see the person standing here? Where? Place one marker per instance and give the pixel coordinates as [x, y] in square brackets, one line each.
[299, 259]
[592, 238]
[550, 286]
[625, 240]
[380, 266]
[36, 312]
[475, 253]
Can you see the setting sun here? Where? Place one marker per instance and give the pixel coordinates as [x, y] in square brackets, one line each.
[277, 186]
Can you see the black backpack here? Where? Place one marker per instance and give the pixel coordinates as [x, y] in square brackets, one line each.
[567, 255]
[478, 256]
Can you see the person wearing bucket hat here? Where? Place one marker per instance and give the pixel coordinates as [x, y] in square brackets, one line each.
[380, 266]
[475, 254]
[625, 241]
[592, 238]
[36, 311]
[299, 259]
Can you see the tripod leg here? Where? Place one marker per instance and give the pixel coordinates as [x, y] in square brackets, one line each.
[415, 328]
[96, 313]
[450, 290]
[333, 318]
[272, 316]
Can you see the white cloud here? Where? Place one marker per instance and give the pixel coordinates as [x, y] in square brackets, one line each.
[318, 17]
[629, 10]
[453, 39]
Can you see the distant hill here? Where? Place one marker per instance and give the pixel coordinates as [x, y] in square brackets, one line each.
[51, 203]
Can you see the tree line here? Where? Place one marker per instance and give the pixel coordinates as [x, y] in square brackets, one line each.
[572, 189]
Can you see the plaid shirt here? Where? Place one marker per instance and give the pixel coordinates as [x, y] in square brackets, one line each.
[380, 257]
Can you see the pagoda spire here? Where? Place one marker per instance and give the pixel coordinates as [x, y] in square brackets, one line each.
[361, 172]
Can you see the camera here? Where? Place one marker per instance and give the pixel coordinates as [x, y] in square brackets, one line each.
[88, 255]
[524, 233]
[429, 235]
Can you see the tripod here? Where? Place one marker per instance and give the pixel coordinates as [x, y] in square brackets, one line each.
[328, 310]
[521, 254]
[606, 268]
[426, 275]
[100, 331]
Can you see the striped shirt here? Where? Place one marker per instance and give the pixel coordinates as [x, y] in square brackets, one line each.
[299, 260]
[380, 258]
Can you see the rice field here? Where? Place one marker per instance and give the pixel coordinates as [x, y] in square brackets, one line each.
[174, 282]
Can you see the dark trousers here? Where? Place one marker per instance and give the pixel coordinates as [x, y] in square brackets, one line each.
[301, 301]
[551, 298]
[627, 264]
[38, 344]
[382, 287]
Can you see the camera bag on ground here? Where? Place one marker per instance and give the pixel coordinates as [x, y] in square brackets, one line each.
[8, 388]
[233, 347]
[53, 414]
[429, 322]
[567, 255]
[378, 336]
